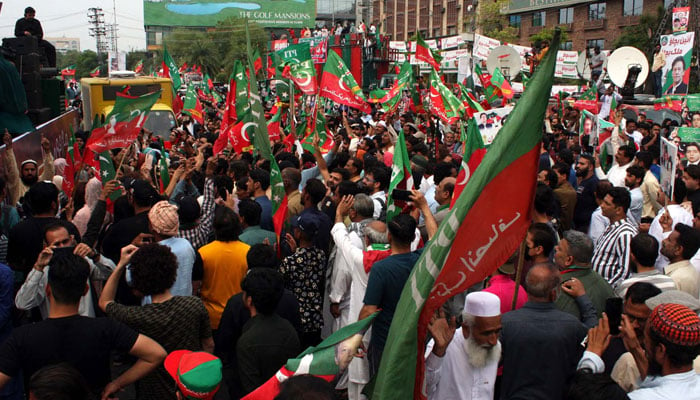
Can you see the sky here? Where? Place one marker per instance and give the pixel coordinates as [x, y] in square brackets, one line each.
[69, 18]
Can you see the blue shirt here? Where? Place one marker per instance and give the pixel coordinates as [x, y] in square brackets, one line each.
[266, 217]
[185, 261]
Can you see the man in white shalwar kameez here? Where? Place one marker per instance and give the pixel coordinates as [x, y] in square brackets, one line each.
[462, 363]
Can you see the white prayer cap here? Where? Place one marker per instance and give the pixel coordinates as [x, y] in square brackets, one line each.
[482, 304]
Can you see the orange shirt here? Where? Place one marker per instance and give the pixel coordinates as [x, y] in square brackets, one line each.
[225, 266]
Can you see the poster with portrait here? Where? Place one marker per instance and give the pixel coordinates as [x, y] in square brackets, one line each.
[680, 19]
[668, 162]
[678, 50]
[588, 127]
[491, 121]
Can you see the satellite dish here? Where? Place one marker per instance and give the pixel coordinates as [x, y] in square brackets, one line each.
[622, 60]
[506, 59]
[583, 66]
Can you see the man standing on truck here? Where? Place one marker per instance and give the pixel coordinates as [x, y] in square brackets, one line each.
[30, 26]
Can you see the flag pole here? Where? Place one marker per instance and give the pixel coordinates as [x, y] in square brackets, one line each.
[518, 273]
[292, 112]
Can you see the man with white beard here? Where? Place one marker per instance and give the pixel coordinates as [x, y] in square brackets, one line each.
[462, 363]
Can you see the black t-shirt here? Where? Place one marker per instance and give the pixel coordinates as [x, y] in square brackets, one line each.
[122, 233]
[85, 343]
[585, 203]
[27, 240]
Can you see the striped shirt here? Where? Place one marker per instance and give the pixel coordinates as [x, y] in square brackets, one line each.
[612, 252]
[656, 278]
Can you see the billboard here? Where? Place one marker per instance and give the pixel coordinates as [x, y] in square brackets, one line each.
[678, 50]
[204, 13]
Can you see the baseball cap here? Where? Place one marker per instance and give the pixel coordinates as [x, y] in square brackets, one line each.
[307, 223]
[197, 374]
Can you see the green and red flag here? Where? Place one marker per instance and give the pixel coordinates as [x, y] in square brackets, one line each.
[192, 106]
[424, 53]
[401, 177]
[471, 105]
[69, 70]
[73, 165]
[671, 102]
[309, 128]
[123, 123]
[170, 69]
[138, 68]
[295, 63]
[278, 198]
[108, 173]
[486, 85]
[210, 84]
[474, 152]
[500, 81]
[338, 84]
[393, 97]
[261, 139]
[240, 134]
[588, 100]
[95, 72]
[274, 128]
[376, 95]
[481, 228]
[163, 174]
[257, 61]
[330, 358]
[443, 102]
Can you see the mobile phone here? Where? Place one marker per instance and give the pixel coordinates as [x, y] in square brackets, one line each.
[63, 251]
[613, 309]
[398, 194]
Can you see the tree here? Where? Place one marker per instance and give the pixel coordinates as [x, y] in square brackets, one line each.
[639, 35]
[494, 23]
[84, 61]
[216, 49]
[547, 34]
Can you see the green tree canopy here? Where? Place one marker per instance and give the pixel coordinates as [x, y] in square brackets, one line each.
[494, 22]
[216, 49]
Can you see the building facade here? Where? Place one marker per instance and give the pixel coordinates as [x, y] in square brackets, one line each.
[588, 23]
[64, 44]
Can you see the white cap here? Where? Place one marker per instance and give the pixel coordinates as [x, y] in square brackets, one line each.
[482, 304]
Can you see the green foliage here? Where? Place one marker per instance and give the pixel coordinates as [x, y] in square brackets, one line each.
[494, 23]
[84, 61]
[547, 34]
[215, 50]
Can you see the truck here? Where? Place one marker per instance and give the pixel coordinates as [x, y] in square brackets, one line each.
[100, 94]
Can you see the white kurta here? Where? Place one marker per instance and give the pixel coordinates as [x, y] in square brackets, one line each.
[453, 378]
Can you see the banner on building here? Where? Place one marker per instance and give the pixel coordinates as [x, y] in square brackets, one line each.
[678, 50]
[680, 19]
[451, 42]
[279, 44]
[318, 47]
[491, 121]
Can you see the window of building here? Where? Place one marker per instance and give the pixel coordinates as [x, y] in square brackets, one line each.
[591, 44]
[436, 32]
[596, 11]
[514, 20]
[566, 15]
[451, 30]
[539, 18]
[632, 7]
[566, 45]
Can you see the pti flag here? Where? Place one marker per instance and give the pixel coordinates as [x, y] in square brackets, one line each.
[338, 84]
[69, 70]
[424, 53]
[192, 106]
[474, 152]
[295, 63]
[486, 224]
[260, 137]
[279, 197]
[123, 123]
[443, 102]
[401, 177]
[678, 50]
[95, 72]
[330, 358]
[170, 69]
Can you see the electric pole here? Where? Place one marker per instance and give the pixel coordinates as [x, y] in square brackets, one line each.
[96, 19]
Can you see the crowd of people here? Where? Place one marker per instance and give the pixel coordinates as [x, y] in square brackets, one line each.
[184, 283]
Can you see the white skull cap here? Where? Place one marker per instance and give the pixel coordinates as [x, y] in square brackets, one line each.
[482, 304]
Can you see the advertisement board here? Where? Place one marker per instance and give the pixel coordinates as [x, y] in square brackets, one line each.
[206, 13]
[680, 19]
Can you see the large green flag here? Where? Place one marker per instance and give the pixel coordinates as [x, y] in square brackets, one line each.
[240, 89]
[171, 69]
[261, 140]
[295, 63]
[401, 177]
[487, 223]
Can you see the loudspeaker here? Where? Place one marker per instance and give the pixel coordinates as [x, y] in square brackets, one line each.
[39, 115]
[49, 72]
[53, 92]
[21, 45]
[28, 62]
[32, 87]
